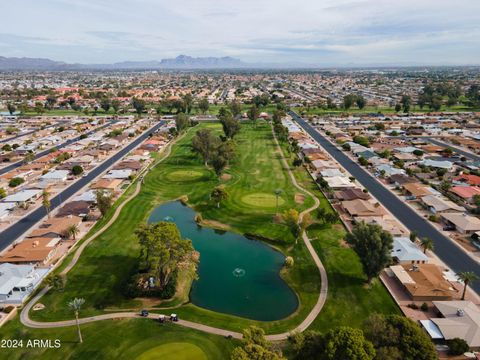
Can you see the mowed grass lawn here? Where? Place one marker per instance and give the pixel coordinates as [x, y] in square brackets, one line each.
[107, 263]
[349, 301]
[128, 339]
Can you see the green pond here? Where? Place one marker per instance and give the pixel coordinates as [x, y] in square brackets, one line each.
[237, 275]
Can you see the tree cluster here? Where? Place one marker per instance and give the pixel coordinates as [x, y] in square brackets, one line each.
[373, 245]
[161, 251]
[353, 99]
[213, 150]
[256, 347]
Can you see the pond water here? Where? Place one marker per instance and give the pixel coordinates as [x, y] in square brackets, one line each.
[237, 275]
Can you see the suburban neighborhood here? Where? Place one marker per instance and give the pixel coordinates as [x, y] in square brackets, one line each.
[240, 180]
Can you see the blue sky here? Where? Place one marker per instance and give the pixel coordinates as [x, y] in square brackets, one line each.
[319, 32]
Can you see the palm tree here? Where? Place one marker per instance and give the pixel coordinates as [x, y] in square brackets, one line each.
[467, 277]
[76, 305]
[46, 201]
[277, 193]
[73, 230]
[427, 244]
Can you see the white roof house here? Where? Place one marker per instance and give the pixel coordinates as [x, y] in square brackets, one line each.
[55, 176]
[5, 209]
[18, 281]
[406, 252]
[406, 149]
[437, 164]
[389, 170]
[331, 173]
[118, 174]
[88, 196]
[335, 182]
[22, 196]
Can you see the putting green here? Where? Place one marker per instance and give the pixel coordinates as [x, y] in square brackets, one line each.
[185, 175]
[263, 200]
[174, 351]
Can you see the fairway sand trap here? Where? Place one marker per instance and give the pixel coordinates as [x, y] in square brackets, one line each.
[185, 175]
[174, 351]
[299, 198]
[263, 200]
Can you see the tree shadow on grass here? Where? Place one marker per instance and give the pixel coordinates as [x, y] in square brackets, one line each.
[105, 281]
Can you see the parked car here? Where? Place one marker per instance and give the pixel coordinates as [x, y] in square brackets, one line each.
[144, 313]
[174, 317]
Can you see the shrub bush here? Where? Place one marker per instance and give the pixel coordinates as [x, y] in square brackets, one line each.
[457, 346]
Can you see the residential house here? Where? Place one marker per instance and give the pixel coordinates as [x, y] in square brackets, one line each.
[406, 252]
[447, 165]
[31, 251]
[459, 319]
[415, 191]
[135, 166]
[388, 170]
[106, 184]
[463, 223]
[17, 282]
[361, 208]
[331, 173]
[351, 194]
[118, 174]
[80, 208]
[439, 205]
[423, 282]
[54, 177]
[400, 179]
[472, 180]
[23, 196]
[55, 227]
[338, 182]
[466, 193]
[5, 210]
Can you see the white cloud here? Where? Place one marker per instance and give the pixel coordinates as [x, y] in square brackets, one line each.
[322, 31]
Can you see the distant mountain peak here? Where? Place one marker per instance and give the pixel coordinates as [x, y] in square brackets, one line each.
[180, 62]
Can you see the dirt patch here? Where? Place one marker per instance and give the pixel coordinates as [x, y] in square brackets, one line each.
[299, 198]
[277, 218]
[226, 177]
[215, 224]
[344, 244]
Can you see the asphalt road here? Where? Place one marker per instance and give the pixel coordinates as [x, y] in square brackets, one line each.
[22, 134]
[59, 146]
[448, 252]
[467, 154]
[9, 235]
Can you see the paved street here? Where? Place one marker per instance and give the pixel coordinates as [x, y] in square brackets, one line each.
[59, 146]
[12, 233]
[22, 134]
[448, 252]
[467, 154]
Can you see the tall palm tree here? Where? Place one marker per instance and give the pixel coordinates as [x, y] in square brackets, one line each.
[73, 230]
[427, 244]
[277, 193]
[467, 277]
[76, 305]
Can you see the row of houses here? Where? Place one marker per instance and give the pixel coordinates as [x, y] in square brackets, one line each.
[25, 264]
[414, 277]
